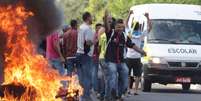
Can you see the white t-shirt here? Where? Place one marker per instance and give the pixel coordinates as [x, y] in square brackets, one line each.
[131, 53]
[85, 33]
[137, 39]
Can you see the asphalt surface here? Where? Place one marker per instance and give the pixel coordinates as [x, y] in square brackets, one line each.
[167, 93]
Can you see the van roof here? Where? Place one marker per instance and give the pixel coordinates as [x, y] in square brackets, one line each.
[169, 11]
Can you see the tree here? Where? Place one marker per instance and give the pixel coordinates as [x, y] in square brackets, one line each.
[73, 9]
[97, 8]
[120, 8]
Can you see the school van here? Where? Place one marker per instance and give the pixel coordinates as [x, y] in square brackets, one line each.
[173, 45]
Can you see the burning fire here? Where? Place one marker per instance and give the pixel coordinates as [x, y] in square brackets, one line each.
[22, 64]
[73, 86]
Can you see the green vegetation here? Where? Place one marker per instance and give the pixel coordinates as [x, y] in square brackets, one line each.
[118, 8]
[73, 9]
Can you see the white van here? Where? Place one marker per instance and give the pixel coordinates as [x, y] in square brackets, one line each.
[173, 45]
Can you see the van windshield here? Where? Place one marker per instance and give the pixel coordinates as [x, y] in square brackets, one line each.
[175, 32]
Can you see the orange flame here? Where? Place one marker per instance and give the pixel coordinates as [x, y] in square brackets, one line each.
[22, 63]
[73, 86]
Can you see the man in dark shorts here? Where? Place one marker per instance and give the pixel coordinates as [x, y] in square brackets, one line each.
[133, 57]
[134, 66]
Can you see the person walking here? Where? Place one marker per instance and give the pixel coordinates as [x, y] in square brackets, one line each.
[84, 55]
[102, 48]
[96, 59]
[54, 54]
[133, 57]
[70, 46]
[116, 60]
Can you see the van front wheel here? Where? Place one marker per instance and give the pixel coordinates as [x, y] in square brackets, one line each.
[146, 85]
[186, 86]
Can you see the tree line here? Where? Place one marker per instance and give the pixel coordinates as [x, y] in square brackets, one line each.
[73, 9]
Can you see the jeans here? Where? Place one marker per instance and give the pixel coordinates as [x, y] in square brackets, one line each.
[122, 79]
[57, 64]
[95, 75]
[84, 70]
[101, 78]
[116, 80]
[71, 63]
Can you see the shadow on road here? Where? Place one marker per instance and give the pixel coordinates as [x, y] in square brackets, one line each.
[178, 91]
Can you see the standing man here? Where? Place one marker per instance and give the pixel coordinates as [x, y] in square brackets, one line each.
[96, 58]
[133, 57]
[70, 46]
[118, 70]
[84, 55]
[53, 52]
[102, 48]
[134, 60]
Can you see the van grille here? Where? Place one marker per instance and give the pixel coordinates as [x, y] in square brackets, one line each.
[174, 64]
[191, 64]
[183, 64]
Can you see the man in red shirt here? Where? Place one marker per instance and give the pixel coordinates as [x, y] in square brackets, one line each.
[70, 46]
[54, 54]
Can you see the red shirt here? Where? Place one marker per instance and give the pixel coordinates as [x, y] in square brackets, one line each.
[70, 42]
[51, 52]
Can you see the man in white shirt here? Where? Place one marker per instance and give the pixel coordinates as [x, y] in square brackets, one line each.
[84, 55]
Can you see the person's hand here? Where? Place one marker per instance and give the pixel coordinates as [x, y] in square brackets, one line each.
[89, 42]
[106, 13]
[131, 12]
[62, 59]
[101, 31]
[146, 15]
[144, 53]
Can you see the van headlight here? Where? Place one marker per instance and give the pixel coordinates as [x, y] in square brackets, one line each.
[157, 60]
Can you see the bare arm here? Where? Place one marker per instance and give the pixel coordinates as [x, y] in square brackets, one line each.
[101, 31]
[148, 22]
[58, 49]
[106, 21]
[139, 50]
[126, 23]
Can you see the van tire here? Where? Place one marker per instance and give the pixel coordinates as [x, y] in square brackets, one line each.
[146, 85]
[186, 86]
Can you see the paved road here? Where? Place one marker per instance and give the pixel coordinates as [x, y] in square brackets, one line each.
[168, 93]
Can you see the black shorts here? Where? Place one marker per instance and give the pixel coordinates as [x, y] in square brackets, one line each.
[135, 65]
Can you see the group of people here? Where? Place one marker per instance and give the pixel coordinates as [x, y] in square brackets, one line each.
[103, 59]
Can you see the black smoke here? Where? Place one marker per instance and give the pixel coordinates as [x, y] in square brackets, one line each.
[47, 18]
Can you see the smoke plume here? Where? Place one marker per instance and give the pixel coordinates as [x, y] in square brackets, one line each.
[47, 18]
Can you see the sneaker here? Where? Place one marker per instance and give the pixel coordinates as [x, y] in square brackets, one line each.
[130, 92]
[98, 94]
[120, 99]
[101, 98]
[107, 99]
[136, 94]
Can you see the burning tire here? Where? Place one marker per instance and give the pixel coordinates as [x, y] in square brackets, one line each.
[17, 90]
